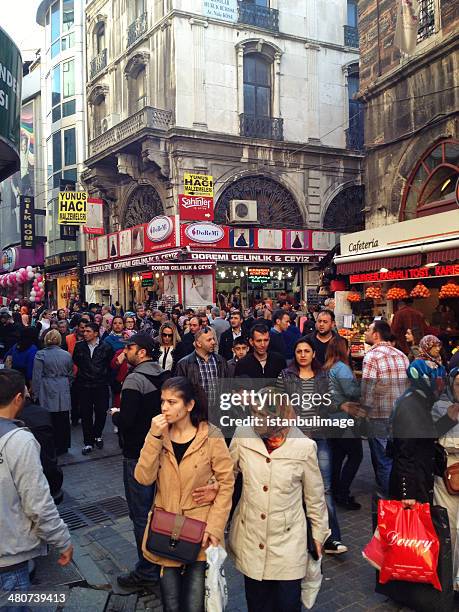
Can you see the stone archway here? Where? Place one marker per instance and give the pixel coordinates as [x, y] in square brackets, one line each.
[142, 205]
[345, 212]
[277, 208]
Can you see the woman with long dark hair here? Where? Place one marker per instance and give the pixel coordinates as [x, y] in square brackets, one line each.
[304, 378]
[347, 450]
[182, 452]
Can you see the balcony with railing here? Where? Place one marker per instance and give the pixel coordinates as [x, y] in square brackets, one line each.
[268, 128]
[259, 16]
[98, 63]
[355, 133]
[132, 128]
[137, 28]
[351, 37]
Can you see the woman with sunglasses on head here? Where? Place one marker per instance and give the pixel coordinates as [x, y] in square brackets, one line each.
[168, 340]
[183, 452]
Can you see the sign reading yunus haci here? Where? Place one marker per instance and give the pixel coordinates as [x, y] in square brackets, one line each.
[73, 208]
[198, 184]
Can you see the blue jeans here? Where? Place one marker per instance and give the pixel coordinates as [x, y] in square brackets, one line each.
[139, 500]
[182, 588]
[15, 580]
[382, 465]
[324, 456]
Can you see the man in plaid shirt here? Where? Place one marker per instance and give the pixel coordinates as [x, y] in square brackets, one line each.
[203, 367]
[384, 380]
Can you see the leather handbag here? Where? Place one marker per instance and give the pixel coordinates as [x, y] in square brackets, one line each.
[451, 479]
[174, 536]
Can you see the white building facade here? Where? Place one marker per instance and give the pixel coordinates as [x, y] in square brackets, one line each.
[256, 94]
[64, 138]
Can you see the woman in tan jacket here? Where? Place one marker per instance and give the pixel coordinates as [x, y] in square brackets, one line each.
[268, 536]
[182, 452]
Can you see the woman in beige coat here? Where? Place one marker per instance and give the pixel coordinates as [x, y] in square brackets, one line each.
[268, 536]
[182, 452]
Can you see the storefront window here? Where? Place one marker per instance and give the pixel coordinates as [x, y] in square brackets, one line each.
[431, 186]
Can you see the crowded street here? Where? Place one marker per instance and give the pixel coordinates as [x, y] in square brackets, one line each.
[229, 306]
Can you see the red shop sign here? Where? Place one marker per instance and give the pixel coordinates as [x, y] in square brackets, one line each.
[408, 274]
[196, 208]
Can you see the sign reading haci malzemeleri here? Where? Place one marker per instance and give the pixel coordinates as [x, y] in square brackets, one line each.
[73, 208]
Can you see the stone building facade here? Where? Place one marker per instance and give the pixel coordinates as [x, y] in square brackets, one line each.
[411, 107]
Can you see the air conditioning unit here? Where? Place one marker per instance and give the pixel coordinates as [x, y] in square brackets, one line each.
[243, 211]
[108, 122]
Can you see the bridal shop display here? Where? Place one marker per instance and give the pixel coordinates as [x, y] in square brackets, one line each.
[199, 259]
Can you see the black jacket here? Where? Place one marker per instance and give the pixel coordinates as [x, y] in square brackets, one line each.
[250, 367]
[140, 402]
[184, 347]
[277, 342]
[92, 371]
[38, 420]
[9, 335]
[225, 346]
[189, 368]
[413, 446]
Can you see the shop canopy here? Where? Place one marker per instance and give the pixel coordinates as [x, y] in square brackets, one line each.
[408, 244]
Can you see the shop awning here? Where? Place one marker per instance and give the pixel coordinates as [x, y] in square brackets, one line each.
[372, 265]
[445, 256]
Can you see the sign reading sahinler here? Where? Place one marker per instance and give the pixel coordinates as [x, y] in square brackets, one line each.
[198, 184]
[73, 208]
[225, 10]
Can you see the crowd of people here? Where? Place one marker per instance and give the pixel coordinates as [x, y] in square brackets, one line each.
[158, 374]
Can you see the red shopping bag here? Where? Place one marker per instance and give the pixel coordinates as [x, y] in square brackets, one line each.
[374, 551]
[409, 542]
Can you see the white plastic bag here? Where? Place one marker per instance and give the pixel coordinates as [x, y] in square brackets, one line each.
[216, 594]
[311, 583]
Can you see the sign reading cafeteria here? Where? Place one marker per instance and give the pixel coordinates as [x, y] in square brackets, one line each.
[198, 184]
[196, 208]
[73, 208]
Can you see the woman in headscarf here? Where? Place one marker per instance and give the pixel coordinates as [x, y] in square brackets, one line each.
[415, 432]
[268, 536]
[450, 443]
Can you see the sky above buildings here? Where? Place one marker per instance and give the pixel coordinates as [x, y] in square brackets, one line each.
[17, 17]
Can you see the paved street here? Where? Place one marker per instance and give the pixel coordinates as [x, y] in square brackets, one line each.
[95, 509]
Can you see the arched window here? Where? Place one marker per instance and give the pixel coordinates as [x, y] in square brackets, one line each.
[257, 85]
[136, 74]
[431, 186]
[100, 38]
[140, 91]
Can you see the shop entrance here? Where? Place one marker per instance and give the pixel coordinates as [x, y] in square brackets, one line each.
[258, 283]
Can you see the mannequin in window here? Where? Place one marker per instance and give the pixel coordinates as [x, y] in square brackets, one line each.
[297, 244]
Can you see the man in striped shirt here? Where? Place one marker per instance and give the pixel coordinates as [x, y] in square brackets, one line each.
[384, 380]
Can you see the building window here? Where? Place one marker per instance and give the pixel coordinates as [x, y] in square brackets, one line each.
[351, 34]
[354, 133]
[139, 7]
[69, 147]
[140, 93]
[67, 15]
[55, 22]
[56, 86]
[352, 13]
[431, 186]
[68, 74]
[100, 38]
[57, 152]
[257, 85]
[426, 19]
